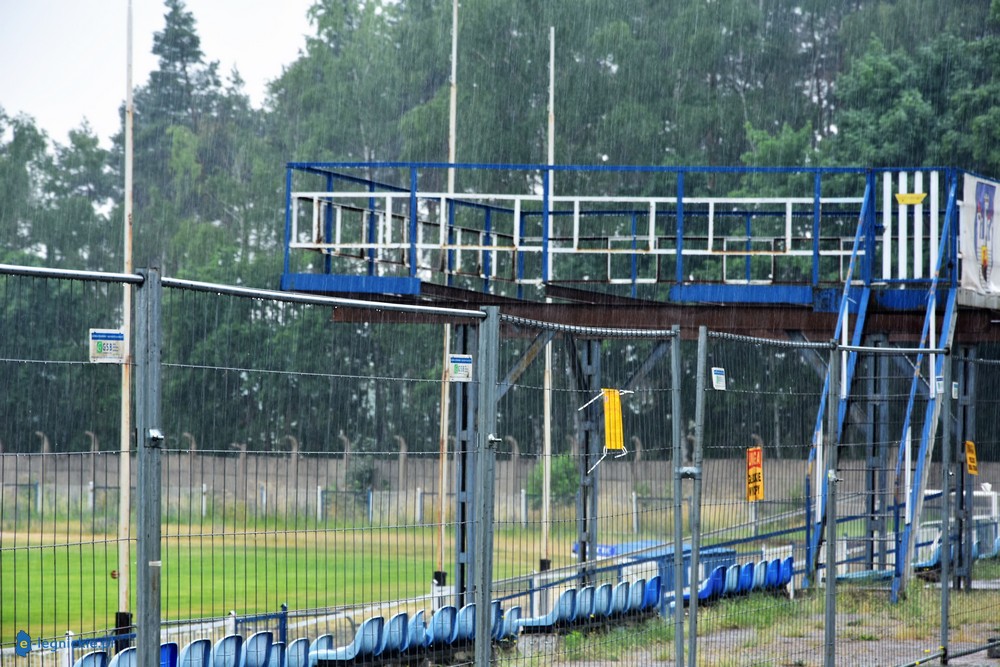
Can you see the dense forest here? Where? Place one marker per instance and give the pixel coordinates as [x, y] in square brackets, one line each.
[709, 82]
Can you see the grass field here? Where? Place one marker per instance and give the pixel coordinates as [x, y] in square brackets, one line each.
[50, 584]
[56, 582]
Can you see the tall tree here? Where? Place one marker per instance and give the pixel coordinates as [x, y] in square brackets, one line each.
[78, 230]
[340, 100]
[23, 164]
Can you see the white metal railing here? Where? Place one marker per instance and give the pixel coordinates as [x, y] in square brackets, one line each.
[340, 223]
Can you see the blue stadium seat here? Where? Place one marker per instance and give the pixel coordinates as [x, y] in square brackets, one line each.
[196, 654]
[256, 651]
[732, 579]
[712, 586]
[636, 593]
[297, 653]
[654, 589]
[759, 575]
[465, 625]
[226, 652]
[562, 613]
[322, 643]
[602, 601]
[124, 658]
[787, 570]
[510, 625]
[773, 575]
[619, 598]
[168, 654]
[395, 636]
[366, 641]
[92, 659]
[277, 658]
[417, 630]
[584, 604]
[443, 628]
[496, 618]
[746, 578]
[566, 607]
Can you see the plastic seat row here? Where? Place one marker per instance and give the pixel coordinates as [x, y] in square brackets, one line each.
[934, 562]
[448, 628]
[597, 603]
[736, 579]
[259, 650]
[127, 657]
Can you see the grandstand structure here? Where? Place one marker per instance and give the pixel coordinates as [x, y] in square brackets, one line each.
[672, 386]
[880, 261]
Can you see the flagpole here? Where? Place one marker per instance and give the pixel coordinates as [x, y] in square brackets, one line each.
[124, 461]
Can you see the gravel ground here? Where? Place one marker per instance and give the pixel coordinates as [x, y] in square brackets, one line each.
[857, 645]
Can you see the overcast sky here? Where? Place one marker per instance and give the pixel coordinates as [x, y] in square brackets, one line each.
[65, 60]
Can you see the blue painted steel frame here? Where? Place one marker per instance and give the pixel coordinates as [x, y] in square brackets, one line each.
[811, 294]
[948, 237]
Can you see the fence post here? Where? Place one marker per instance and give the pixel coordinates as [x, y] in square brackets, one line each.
[420, 506]
[486, 442]
[635, 513]
[695, 473]
[830, 630]
[946, 471]
[283, 625]
[67, 654]
[677, 493]
[90, 496]
[149, 439]
[524, 508]
[319, 503]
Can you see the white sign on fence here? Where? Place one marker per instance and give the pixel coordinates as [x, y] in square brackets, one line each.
[107, 346]
[460, 367]
[719, 379]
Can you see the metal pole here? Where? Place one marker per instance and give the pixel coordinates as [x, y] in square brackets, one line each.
[486, 441]
[443, 450]
[552, 105]
[830, 629]
[443, 426]
[675, 410]
[453, 96]
[699, 436]
[946, 445]
[546, 456]
[124, 460]
[149, 439]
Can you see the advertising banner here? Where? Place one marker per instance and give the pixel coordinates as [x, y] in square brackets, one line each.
[979, 244]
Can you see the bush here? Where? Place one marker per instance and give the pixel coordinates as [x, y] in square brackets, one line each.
[565, 481]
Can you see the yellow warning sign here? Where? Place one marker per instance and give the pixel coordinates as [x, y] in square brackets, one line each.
[614, 440]
[755, 474]
[971, 464]
[910, 198]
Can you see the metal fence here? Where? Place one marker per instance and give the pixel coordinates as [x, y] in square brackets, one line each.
[287, 473]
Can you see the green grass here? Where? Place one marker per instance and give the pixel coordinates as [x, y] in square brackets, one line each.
[51, 583]
[56, 581]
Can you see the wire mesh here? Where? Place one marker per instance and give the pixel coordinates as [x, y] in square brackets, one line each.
[760, 407]
[303, 465]
[59, 462]
[303, 492]
[607, 524]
